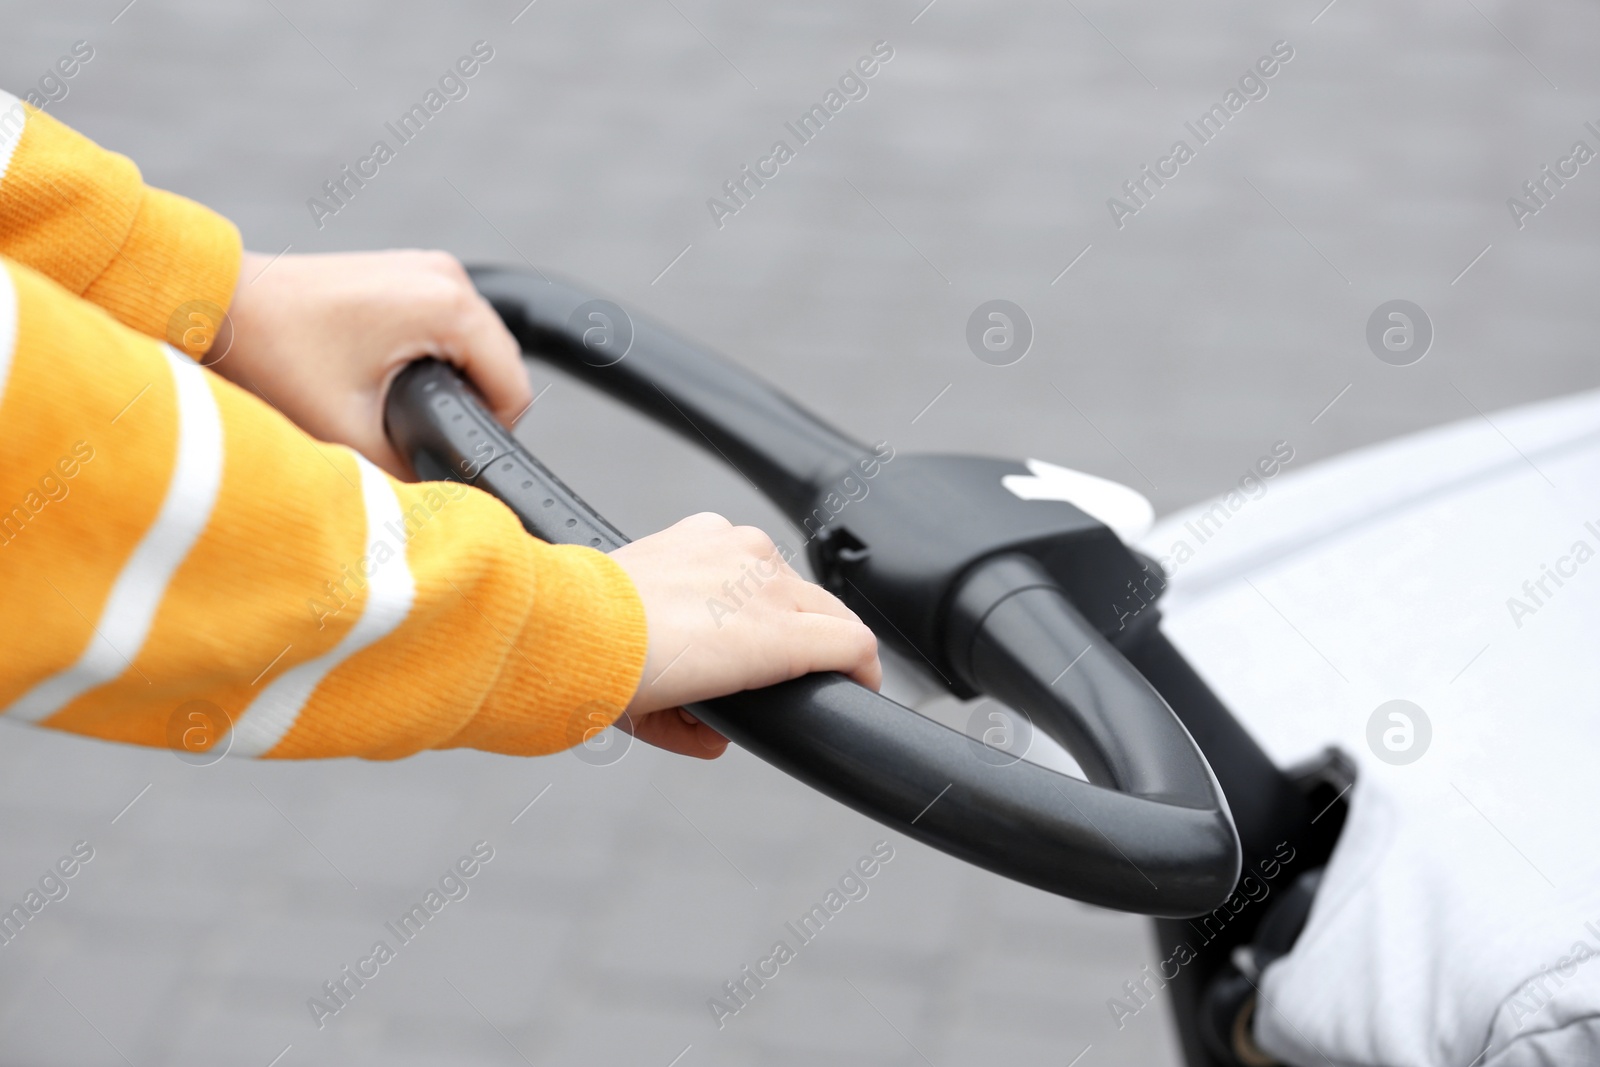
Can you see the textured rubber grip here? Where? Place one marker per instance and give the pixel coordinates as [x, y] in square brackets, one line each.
[440, 427]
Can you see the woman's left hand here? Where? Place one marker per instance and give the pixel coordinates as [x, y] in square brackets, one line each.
[320, 337]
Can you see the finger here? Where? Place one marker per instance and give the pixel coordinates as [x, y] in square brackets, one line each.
[770, 563]
[713, 743]
[826, 643]
[703, 520]
[810, 597]
[442, 262]
[709, 737]
[756, 552]
[490, 356]
[672, 732]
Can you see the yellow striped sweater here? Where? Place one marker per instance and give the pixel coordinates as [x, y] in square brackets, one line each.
[168, 541]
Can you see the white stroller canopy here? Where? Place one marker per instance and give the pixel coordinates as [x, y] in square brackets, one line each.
[1458, 569]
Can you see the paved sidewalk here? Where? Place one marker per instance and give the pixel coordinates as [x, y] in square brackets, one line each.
[1226, 314]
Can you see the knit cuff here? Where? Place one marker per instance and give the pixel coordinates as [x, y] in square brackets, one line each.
[175, 273]
[570, 673]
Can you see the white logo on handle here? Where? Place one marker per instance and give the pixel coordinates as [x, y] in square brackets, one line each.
[1125, 510]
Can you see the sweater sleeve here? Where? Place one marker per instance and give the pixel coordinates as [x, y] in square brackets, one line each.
[180, 566]
[82, 216]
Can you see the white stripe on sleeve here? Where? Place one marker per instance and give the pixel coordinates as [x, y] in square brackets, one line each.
[390, 591]
[8, 327]
[124, 623]
[13, 119]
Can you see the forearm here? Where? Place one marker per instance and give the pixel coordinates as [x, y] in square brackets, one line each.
[208, 550]
[81, 215]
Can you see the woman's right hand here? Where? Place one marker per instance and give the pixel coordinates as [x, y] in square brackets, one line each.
[726, 613]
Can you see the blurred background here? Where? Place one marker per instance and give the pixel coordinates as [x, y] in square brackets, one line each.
[1228, 313]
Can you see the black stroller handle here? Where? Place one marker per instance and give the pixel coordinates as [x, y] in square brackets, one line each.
[1150, 832]
[713, 402]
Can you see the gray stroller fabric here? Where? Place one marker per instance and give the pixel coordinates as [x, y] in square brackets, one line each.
[1457, 571]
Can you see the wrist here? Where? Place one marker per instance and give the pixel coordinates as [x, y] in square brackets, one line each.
[251, 264]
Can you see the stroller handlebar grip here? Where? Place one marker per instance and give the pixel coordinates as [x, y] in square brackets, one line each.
[1154, 836]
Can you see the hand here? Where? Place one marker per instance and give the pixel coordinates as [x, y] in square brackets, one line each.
[726, 613]
[321, 337]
